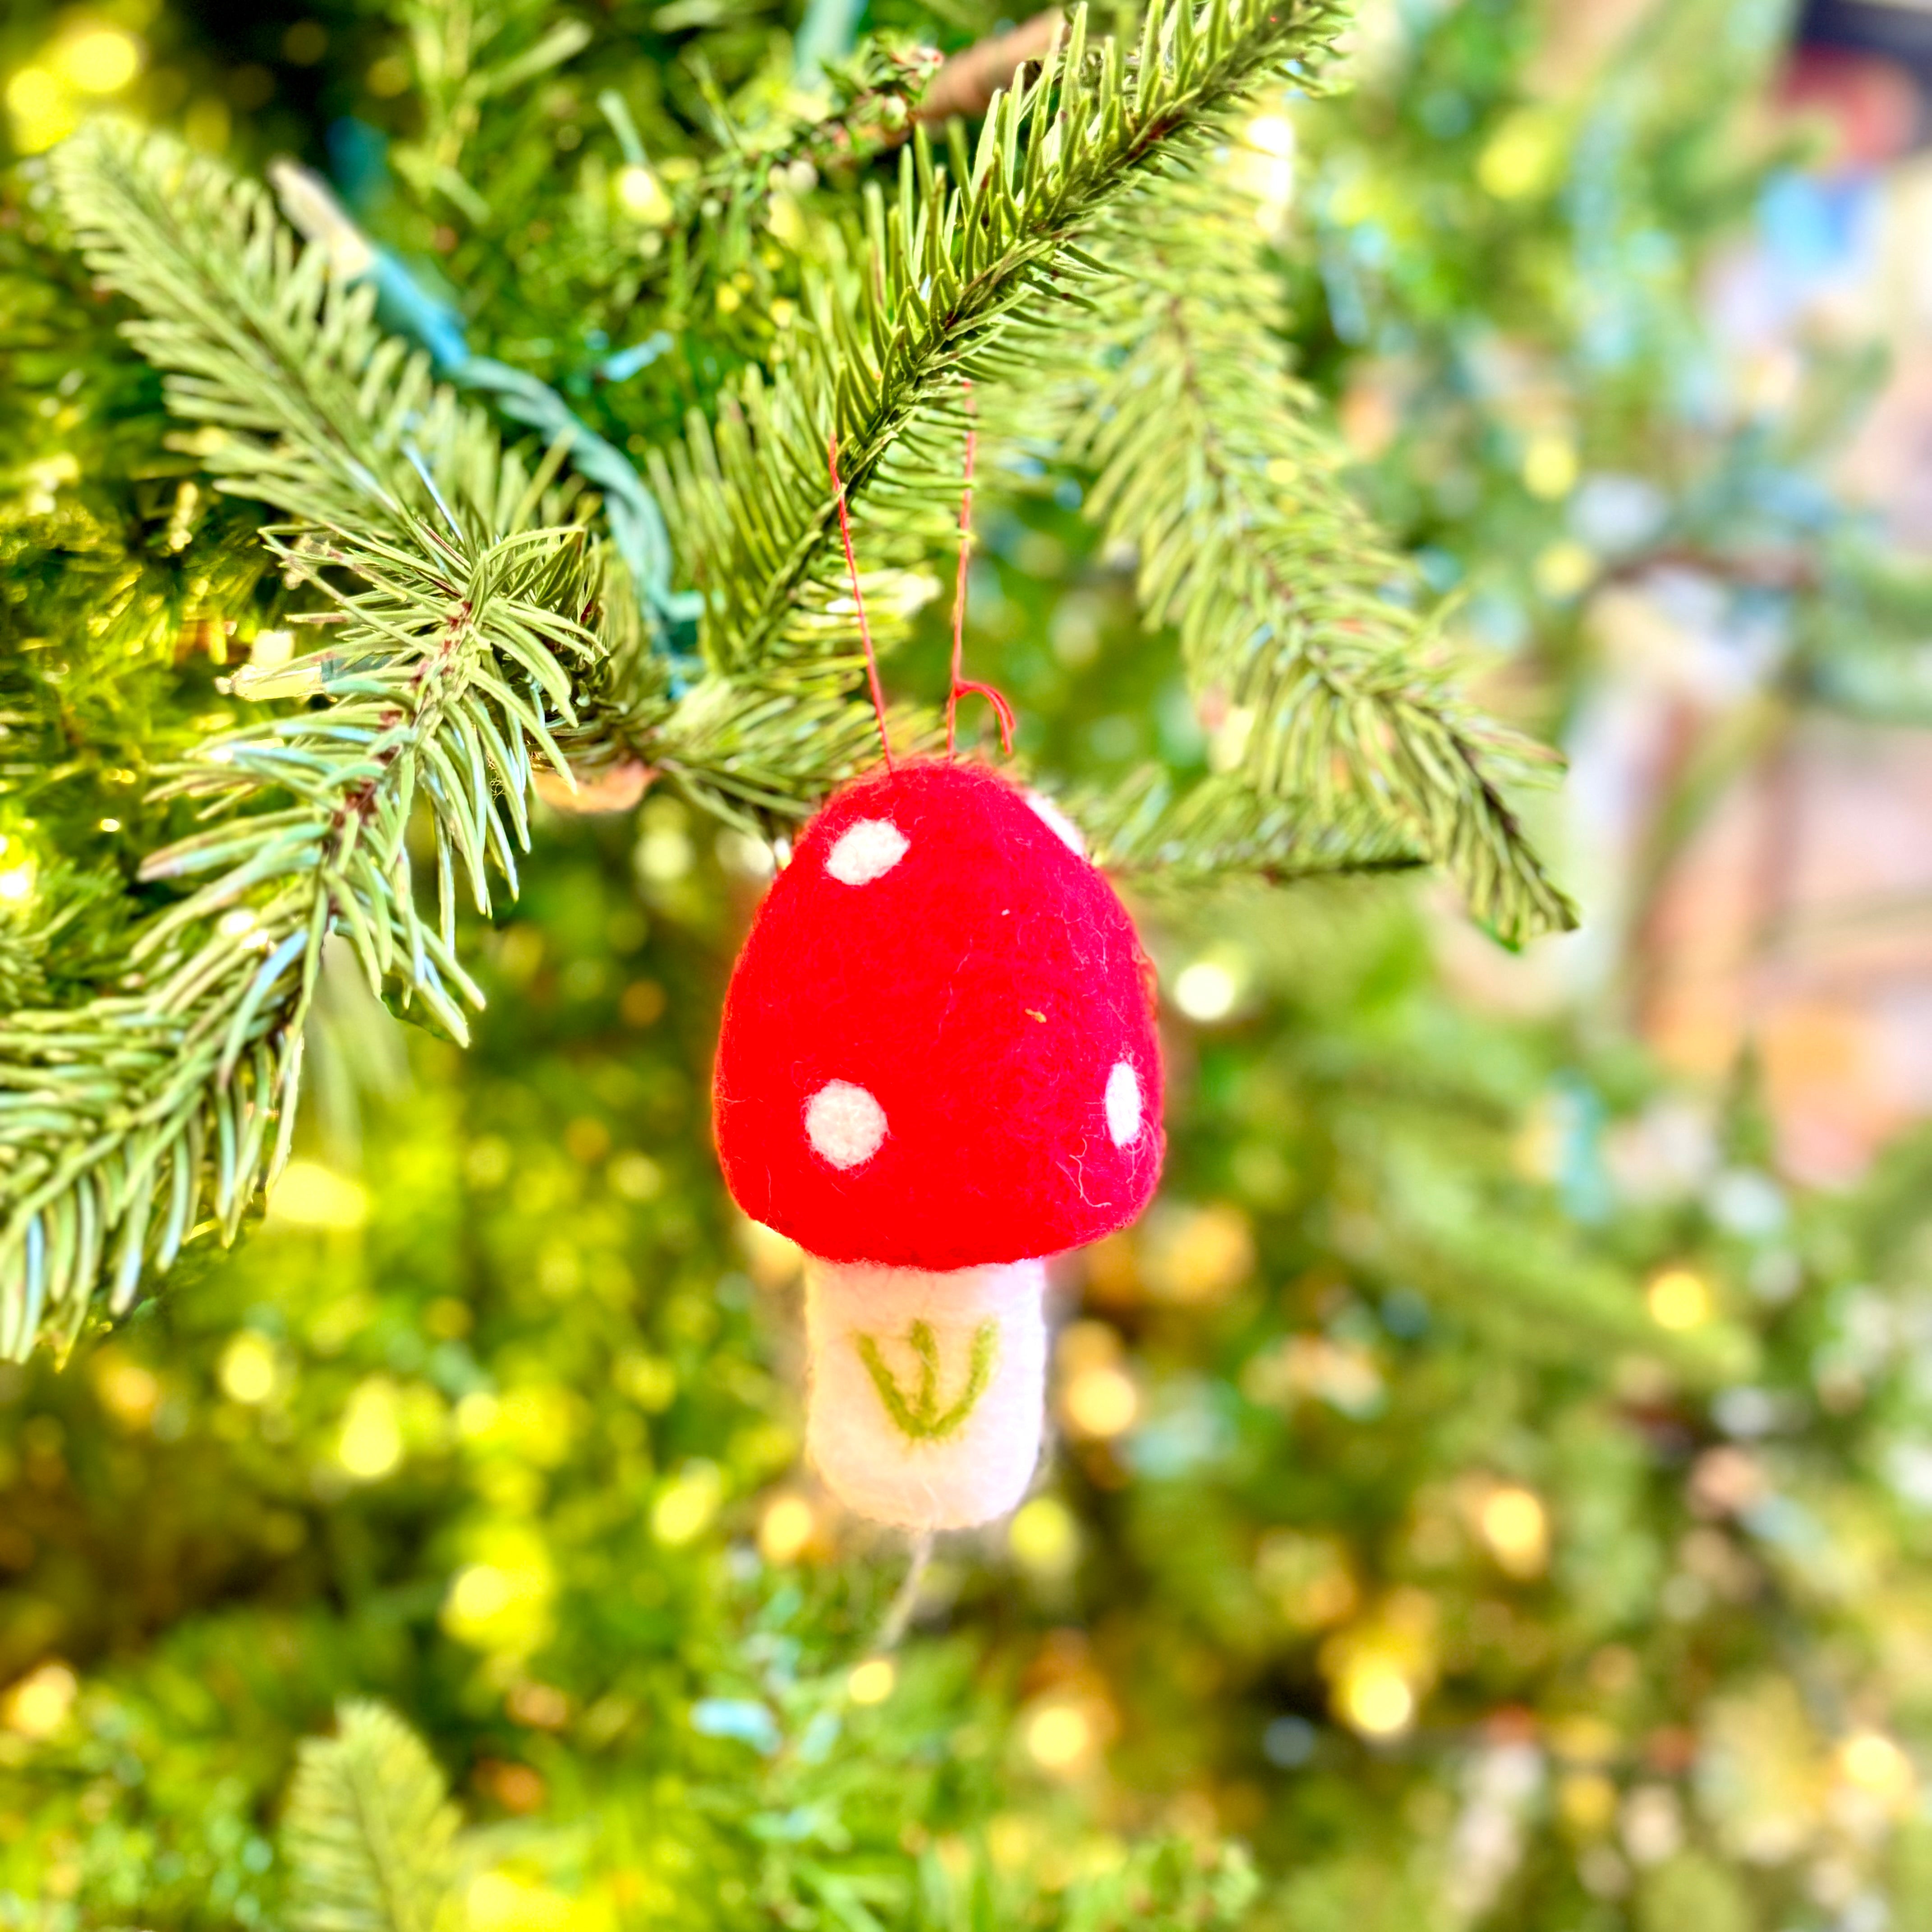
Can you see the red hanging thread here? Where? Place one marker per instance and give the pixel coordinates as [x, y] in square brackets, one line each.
[858, 600]
[961, 687]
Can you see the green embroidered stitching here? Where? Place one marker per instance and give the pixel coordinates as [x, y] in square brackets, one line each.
[919, 1420]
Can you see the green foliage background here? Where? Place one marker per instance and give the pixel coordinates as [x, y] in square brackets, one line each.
[495, 1418]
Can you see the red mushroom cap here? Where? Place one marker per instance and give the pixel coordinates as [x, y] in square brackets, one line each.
[938, 1047]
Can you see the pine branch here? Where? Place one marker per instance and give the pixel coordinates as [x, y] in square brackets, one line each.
[457, 645]
[1222, 827]
[306, 405]
[121, 1120]
[369, 1833]
[464, 59]
[964, 262]
[1292, 609]
[759, 755]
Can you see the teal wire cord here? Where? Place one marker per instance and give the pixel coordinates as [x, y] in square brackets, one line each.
[828, 32]
[638, 532]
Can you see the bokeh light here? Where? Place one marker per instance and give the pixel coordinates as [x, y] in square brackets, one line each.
[1206, 991]
[1515, 1526]
[1678, 1300]
[872, 1681]
[1373, 1697]
[787, 1529]
[39, 1705]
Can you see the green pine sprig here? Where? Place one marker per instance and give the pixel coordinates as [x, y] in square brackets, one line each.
[158, 1108]
[1295, 617]
[126, 1120]
[370, 1835]
[954, 274]
[1158, 831]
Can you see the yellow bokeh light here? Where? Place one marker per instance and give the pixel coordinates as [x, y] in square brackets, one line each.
[1549, 466]
[17, 883]
[42, 110]
[1100, 1402]
[1374, 1698]
[130, 1392]
[786, 1529]
[636, 1177]
[100, 60]
[477, 1594]
[248, 1370]
[496, 1901]
[1044, 1537]
[310, 1195]
[1059, 1737]
[1565, 569]
[32, 92]
[1585, 1739]
[1515, 1526]
[371, 1444]
[1206, 991]
[1197, 1254]
[1522, 157]
[205, 123]
[643, 197]
[501, 1603]
[872, 1682]
[1588, 1802]
[1870, 1760]
[389, 77]
[685, 1506]
[1678, 1300]
[476, 1415]
[39, 1705]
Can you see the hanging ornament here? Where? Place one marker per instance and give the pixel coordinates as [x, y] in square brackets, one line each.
[937, 1067]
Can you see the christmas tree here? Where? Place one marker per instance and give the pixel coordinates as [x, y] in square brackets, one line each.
[1484, 1492]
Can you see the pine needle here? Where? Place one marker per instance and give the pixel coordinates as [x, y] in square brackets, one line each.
[370, 1835]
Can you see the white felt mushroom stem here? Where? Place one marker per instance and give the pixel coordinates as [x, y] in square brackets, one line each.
[927, 1391]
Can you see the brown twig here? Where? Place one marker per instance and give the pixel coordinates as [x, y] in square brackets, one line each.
[967, 83]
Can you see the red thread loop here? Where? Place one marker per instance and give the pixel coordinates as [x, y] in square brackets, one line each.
[1002, 710]
[859, 599]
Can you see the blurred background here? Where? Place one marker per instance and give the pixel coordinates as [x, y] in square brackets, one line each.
[1493, 1487]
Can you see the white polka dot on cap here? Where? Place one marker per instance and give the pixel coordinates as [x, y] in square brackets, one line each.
[1056, 822]
[866, 851]
[844, 1124]
[1123, 1103]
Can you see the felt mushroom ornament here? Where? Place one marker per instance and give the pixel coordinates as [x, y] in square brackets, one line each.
[937, 1067]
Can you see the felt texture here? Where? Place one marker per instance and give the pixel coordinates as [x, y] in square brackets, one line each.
[982, 989]
[925, 1392]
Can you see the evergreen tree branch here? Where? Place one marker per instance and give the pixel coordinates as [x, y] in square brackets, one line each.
[123, 1120]
[759, 755]
[459, 642]
[963, 262]
[1294, 614]
[369, 1833]
[305, 404]
[1221, 826]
